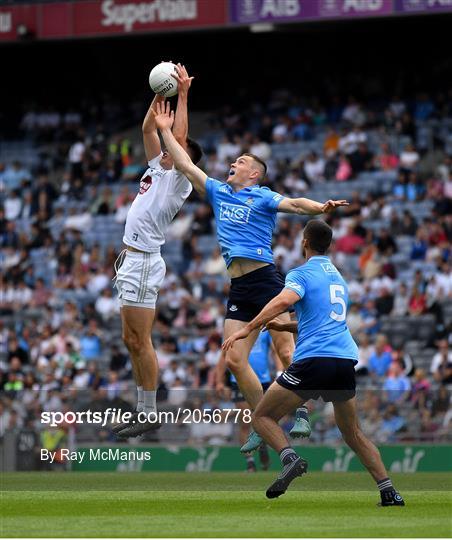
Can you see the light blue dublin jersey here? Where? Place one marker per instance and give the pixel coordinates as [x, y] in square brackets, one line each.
[259, 358]
[245, 220]
[321, 311]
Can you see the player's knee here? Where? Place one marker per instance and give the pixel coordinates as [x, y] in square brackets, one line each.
[285, 354]
[132, 341]
[233, 361]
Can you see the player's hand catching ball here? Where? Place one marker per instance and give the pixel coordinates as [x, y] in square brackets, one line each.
[182, 78]
[163, 116]
[330, 205]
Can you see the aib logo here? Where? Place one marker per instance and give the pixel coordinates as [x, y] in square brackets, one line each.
[234, 212]
[145, 184]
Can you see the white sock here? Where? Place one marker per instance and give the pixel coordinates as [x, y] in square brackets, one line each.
[149, 401]
[140, 403]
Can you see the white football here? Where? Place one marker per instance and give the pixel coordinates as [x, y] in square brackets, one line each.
[161, 81]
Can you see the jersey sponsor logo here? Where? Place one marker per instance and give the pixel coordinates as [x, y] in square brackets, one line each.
[145, 183]
[328, 268]
[130, 291]
[293, 285]
[234, 212]
[233, 308]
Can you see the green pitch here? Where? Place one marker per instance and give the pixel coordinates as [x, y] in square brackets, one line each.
[219, 505]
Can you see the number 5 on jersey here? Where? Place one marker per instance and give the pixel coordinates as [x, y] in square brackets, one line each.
[337, 292]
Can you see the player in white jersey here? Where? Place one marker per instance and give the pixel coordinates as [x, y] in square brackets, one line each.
[162, 192]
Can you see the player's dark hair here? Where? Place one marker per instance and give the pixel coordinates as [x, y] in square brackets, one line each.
[318, 235]
[258, 160]
[194, 150]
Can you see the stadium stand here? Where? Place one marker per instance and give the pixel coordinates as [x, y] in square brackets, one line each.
[65, 195]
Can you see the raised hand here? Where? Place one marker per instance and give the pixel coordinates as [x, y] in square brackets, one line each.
[163, 115]
[182, 78]
[330, 205]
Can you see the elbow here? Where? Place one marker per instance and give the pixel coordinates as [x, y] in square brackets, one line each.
[284, 305]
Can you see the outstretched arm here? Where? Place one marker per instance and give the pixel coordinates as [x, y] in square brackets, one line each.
[180, 128]
[307, 206]
[164, 119]
[279, 304]
[151, 139]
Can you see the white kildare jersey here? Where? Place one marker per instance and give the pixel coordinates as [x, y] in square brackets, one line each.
[162, 193]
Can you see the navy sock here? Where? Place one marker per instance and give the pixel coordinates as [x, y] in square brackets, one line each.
[385, 485]
[287, 455]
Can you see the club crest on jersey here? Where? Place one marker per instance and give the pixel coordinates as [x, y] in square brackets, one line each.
[250, 200]
[145, 183]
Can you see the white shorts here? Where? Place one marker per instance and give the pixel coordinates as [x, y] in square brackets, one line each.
[139, 279]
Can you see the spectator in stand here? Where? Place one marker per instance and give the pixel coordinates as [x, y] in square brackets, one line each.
[418, 302]
[365, 351]
[16, 351]
[202, 220]
[14, 175]
[215, 264]
[314, 168]
[441, 366]
[106, 305]
[354, 319]
[76, 155]
[381, 359]
[351, 243]
[362, 159]
[13, 205]
[344, 169]
[41, 294]
[118, 360]
[392, 423]
[384, 301]
[441, 401]
[294, 183]
[349, 142]
[396, 386]
[401, 301]
[420, 245]
[104, 203]
[386, 160]
[330, 143]
[90, 341]
[409, 159]
[386, 244]
[421, 389]
[409, 225]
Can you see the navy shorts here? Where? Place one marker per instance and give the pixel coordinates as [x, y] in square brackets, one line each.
[251, 292]
[332, 379]
[238, 397]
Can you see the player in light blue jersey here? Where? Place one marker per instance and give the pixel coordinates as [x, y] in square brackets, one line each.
[245, 215]
[323, 366]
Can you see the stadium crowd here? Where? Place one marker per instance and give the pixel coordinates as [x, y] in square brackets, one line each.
[61, 224]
